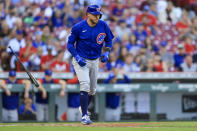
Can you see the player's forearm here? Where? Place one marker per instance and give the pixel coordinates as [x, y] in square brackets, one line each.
[27, 84]
[72, 49]
[108, 45]
[63, 84]
[2, 84]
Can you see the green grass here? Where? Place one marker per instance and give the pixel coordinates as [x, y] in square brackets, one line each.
[134, 126]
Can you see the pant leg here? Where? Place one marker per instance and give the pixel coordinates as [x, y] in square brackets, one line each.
[116, 114]
[5, 115]
[93, 76]
[39, 112]
[72, 114]
[108, 114]
[83, 75]
[13, 115]
[46, 112]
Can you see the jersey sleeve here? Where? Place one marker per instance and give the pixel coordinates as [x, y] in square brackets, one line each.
[109, 36]
[40, 80]
[71, 41]
[56, 81]
[20, 82]
[6, 82]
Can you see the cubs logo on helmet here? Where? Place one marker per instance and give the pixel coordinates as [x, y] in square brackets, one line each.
[100, 38]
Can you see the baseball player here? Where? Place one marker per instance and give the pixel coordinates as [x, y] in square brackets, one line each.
[42, 97]
[11, 100]
[85, 44]
[113, 109]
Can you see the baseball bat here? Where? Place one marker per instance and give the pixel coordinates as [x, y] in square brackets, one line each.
[32, 78]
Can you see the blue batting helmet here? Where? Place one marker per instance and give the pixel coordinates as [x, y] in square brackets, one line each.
[12, 73]
[48, 72]
[94, 9]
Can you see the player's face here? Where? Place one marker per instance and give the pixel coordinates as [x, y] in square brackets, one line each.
[12, 78]
[48, 78]
[93, 18]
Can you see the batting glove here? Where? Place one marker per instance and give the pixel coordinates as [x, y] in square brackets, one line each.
[105, 57]
[81, 61]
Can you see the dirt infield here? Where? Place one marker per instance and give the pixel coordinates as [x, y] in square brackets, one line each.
[102, 124]
[77, 124]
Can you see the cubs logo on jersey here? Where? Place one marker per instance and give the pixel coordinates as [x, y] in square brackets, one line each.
[100, 38]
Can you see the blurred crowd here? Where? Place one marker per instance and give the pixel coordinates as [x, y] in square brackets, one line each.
[150, 35]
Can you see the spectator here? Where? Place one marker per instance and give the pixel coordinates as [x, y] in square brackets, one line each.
[42, 97]
[183, 24]
[158, 64]
[59, 65]
[46, 35]
[11, 99]
[130, 65]
[148, 67]
[35, 60]
[151, 47]
[25, 54]
[179, 57]
[117, 10]
[140, 33]
[16, 44]
[113, 110]
[187, 65]
[145, 3]
[39, 43]
[122, 29]
[74, 18]
[166, 56]
[133, 46]
[189, 47]
[150, 20]
[57, 18]
[41, 20]
[46, 60]
[11, 17]
[170, 14]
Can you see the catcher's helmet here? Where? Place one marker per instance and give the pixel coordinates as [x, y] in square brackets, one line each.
[94, 9]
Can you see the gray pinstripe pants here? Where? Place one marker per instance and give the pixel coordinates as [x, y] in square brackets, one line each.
[87, 75]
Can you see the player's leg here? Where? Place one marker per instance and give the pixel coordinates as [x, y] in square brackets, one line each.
[13, 115]
[46, 111]
[78, 116]
[93, 78]
[39, 112]
[71, 114]
[5, 115]
[116, 114]
[108, 114]
[83, 77]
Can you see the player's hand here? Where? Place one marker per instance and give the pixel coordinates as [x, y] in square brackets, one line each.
[44, 94]
[105, 57]
[8, 93]
[62, 93]
[81, 61]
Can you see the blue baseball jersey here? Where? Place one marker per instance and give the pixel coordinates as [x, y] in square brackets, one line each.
[11, 102]
[89, 40]
[113, 99]
[73, 100]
